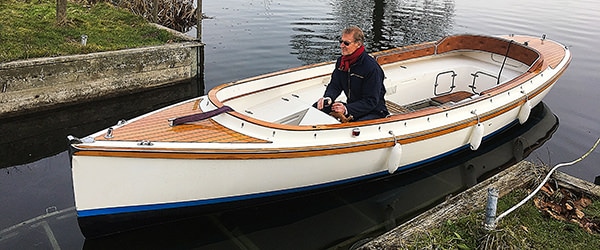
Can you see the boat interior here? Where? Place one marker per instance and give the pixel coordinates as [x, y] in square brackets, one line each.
[436, 74]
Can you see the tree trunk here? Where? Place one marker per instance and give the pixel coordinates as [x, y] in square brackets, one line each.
[61, 12]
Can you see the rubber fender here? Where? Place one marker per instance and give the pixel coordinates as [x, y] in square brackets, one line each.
[394, 158]
[524, 112]
[476, 136]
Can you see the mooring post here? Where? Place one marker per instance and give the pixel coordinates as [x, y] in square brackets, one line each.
[199, 79]
[155, 11]
[490, 209]
[199, 20]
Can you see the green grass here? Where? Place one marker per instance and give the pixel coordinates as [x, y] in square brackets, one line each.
[525, 228]
[28, 29]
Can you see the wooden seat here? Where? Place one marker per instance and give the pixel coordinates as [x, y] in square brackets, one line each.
[394, 108]
[458, 96]
[452, 97]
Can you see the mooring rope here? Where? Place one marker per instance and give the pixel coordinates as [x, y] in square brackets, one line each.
[545, 180]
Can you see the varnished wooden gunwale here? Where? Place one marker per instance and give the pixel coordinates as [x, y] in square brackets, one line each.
[236, 154]
[495, 45]
[405, 53]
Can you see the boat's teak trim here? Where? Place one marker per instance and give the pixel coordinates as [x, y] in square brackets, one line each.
[496, 45]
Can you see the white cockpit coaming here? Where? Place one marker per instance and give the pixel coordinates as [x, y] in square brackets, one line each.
[288, 98]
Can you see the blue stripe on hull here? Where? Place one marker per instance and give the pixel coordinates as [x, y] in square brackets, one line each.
[141, 208]
[152, 207]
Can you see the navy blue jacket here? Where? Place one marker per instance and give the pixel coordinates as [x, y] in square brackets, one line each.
[363, 86]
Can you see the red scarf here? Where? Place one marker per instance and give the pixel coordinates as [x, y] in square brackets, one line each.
[351, 59]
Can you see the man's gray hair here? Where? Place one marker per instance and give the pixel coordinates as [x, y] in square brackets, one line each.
[359, 36]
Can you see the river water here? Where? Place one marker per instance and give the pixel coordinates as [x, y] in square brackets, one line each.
[251, 37]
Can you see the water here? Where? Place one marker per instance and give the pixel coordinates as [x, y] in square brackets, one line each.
[248, 38]
[337, 218]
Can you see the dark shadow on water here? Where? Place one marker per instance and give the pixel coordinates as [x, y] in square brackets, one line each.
[346, 216]
[31, 137]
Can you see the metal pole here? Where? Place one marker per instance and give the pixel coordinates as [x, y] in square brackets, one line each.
[490, 209]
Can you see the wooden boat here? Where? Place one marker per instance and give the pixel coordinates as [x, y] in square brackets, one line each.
[260, 139]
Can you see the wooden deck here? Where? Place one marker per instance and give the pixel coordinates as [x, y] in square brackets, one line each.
[155, 128]
[552, 52]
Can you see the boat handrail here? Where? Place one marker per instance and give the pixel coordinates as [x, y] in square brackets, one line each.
[452, 84]
[476, 76]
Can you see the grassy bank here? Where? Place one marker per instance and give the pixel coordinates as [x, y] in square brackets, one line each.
[28, 30]
[526, 228]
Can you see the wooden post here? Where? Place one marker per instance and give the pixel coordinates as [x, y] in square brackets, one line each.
[155, 11]
[199, 20]
[61, 12]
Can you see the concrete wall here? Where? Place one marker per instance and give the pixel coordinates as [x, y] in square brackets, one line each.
[44, 83]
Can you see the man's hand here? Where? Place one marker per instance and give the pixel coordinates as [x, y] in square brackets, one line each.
[323, 102]
[339, 108]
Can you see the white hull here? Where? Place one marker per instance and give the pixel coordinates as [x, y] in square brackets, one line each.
[131, 184]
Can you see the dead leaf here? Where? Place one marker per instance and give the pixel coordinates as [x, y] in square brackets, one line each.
[579, 214]
[547, 189]
[583, 202]
[568, 206]
[556, 208]
[554, 215]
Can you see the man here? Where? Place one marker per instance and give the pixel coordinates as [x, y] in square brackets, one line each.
[360, 77]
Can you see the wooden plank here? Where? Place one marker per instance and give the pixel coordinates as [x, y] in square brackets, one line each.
[395, 108]
[405, 53]
[576, 184]
[452, 97]
[495, 45]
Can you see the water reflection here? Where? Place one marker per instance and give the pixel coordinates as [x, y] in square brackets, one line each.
[387, 24]
[342, 217]
[35, 136]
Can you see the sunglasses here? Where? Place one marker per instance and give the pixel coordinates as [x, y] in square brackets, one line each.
[345, 42]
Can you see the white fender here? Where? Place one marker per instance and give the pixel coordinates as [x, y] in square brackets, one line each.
[476, 136]
[393, 160]
[524, 112]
